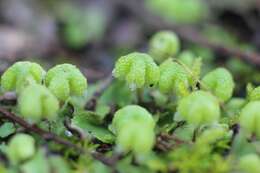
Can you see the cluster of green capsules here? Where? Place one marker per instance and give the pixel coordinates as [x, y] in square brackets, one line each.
[164, 67]
[200, 99]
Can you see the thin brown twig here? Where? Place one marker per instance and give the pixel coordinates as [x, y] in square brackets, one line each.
[51, 136]
[189, 34]
[33, 128]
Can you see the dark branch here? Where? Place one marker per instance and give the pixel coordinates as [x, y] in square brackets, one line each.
[33, 128]
[51, 136]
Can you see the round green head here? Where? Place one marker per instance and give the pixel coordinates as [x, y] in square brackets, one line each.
[173, 78]
[134, 127]
[250, 163]
[65, 80]
[199, 108]
[20, 75]
[220, 82]
[163, 45]
[250, 118]
[21, 147]
[37, 102]
[138, 69]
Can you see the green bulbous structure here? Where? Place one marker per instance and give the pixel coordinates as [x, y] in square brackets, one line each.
[21, 147]
[65, 80]
[134, 127]
[250, 163]
[138, 69]
[37, 102]
[220, 82]
[21, 74]
[173, 78]
[163, 45]
[199, 108]
[250, 118]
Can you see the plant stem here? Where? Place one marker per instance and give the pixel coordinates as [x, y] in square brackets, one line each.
[195, 134]
[140, 93]
[51, 136]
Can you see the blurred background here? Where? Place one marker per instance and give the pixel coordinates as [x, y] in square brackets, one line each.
[93, 33]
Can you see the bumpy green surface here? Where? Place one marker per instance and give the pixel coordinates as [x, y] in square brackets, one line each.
[37, 102]
[20, 75]
[21, 147]
[250, 163]
[163, 45]
[138, 69]
[173, 78]
[250, 118]
[220, 82]
[184, 124]
[134, 127]
[65, 80]
[199, 107]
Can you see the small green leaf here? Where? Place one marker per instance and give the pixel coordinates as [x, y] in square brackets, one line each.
[82, 122]
[117, 93]
[90, 116]
[6, 129]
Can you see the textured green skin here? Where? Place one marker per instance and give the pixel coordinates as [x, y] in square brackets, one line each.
[163, 45]
[134, 127]
[199, 108]
[138, 69]
[250, 118]
[21, 147]
[173, 77]
[250, 163]
[220, 82]
[65, 80]
[20, 75]
[255, 94]
[36, 102]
